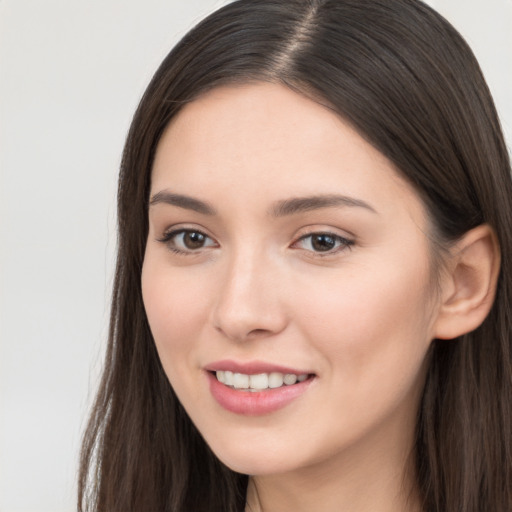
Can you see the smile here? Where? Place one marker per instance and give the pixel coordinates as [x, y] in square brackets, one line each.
[254, 389]
[260, 381]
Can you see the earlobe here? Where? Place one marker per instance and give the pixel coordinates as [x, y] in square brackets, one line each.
[469, 284]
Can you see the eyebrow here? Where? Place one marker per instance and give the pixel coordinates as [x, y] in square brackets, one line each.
[281, 208]
[305, 204]
[186, 202]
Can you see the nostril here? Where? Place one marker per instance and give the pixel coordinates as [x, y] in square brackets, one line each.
[249, 320]
[258, 332]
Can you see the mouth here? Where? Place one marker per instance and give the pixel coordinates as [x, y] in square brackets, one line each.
[256, 388]
[260, 381]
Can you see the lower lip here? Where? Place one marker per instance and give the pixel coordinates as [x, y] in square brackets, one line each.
[255, 403]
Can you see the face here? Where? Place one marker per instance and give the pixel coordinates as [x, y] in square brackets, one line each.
[286, 282]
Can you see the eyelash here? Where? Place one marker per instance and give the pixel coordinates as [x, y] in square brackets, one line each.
[168, 239]
[341, 242]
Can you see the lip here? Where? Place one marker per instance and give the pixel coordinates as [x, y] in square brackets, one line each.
[255, 403]
[251, 367]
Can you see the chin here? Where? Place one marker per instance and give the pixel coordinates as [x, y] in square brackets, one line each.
[254, 459]
[256, 466]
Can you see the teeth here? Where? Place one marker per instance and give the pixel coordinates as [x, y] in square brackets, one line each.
[259, 381]
[275, 380]
[290, 379]
[240, 381]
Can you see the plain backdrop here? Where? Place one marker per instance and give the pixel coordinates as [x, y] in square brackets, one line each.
[71, 75]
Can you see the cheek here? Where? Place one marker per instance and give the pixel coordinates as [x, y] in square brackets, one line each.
[373, 326]
[176, 314]
[174, 310]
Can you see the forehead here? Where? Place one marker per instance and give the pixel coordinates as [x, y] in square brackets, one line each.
[269, 140]
[263, 120]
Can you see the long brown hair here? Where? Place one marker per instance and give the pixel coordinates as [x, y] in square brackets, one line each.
[407, 81]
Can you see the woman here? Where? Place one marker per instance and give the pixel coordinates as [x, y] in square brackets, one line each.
[312, 300]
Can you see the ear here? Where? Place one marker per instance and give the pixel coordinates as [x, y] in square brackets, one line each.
[469, 284]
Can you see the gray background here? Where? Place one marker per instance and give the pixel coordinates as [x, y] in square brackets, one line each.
[71, 74]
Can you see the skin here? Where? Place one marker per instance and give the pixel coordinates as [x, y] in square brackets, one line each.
[360, 317]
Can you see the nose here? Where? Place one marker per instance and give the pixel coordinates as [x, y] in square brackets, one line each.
[250, 303]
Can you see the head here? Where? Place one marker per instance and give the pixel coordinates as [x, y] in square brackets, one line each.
[399, 85]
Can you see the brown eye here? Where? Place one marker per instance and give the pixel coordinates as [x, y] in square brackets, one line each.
[186, 241]
[323, 243]
[193, 239]
[328, 243]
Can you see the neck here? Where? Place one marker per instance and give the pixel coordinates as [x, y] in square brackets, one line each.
[355, 493]
[376, 477]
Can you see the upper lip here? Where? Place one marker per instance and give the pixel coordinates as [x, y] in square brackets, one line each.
[251, 367]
